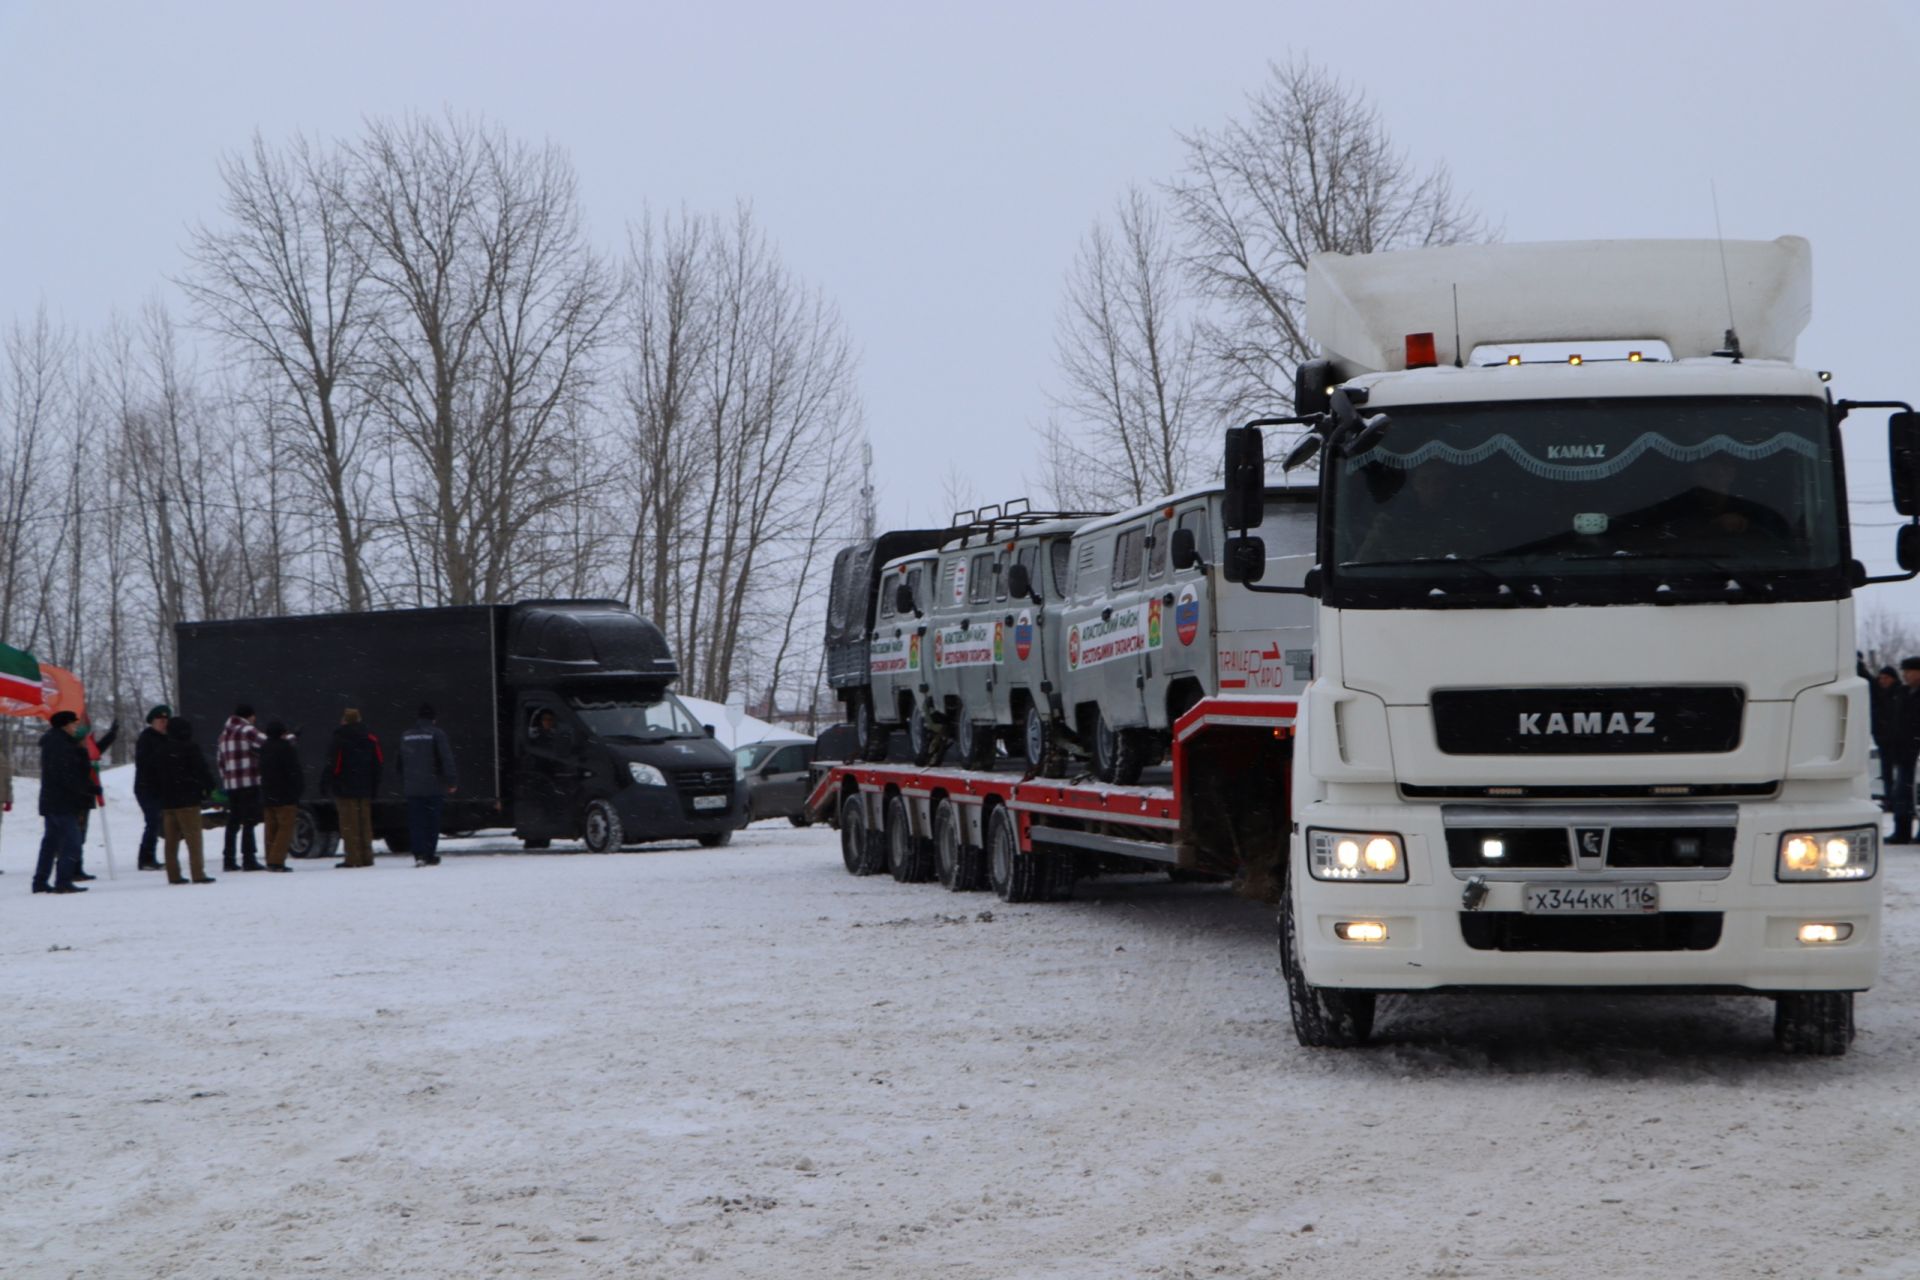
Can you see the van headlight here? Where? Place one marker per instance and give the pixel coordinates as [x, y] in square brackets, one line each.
[1852, 854]
[1356, 855]
[646, 775]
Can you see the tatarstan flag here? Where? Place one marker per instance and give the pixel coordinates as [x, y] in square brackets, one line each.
[19, 675]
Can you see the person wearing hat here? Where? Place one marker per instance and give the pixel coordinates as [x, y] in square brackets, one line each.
[1883, 707]
[427, 778]
[351, 779]
[66, 792]
[282, 783]
[238, 756]
[186, 783]
[1906, 749]
[149, 750]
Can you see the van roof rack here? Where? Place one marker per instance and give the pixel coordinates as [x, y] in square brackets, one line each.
[995, 520]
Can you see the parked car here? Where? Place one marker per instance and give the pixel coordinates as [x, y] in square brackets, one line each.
[775, 775]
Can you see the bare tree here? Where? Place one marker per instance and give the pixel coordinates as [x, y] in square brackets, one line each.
[1126, 425]
[1309, 169]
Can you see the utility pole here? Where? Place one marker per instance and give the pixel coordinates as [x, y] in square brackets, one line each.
[866, 491]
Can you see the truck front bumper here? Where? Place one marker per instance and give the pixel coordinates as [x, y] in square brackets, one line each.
[1739, 932]
[663, 813]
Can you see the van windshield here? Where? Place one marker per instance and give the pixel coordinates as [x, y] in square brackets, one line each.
[637, 719]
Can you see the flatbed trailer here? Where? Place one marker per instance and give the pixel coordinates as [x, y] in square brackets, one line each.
[1223, 813]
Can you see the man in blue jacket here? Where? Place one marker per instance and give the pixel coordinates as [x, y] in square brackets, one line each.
[427, 778]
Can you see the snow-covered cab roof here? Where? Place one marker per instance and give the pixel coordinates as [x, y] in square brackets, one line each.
[1361, 307]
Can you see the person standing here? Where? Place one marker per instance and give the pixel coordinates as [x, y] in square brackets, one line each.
[427, 778]
[149, 753]
[239, 759]
[1883, 713]
[282, 783]
[96, 748]
[185, 784]
[66, 792]
[1906, 749]
[352, 779]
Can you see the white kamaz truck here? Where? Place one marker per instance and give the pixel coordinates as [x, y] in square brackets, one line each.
[1585, 711]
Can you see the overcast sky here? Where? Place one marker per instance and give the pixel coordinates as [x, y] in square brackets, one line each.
[933, 169]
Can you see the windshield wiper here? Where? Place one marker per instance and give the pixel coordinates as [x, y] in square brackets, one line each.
[1504, 590]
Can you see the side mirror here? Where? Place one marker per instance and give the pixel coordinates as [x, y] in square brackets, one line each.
[1903, 459]
[1313, 381]
[1019, 581]
[1246, 477]
[903, 598]
[1302, 453]
[1906, 547]
[1371, 432]
[1245, 559]
[1185, 552]
[1313, 582]
[709, 729]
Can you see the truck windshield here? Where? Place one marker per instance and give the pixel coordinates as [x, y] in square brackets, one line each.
[663, 717]
[1599, 501]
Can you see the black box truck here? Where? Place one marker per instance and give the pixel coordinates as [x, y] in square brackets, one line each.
[562, 721]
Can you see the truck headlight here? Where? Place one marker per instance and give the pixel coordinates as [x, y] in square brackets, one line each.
[1355, 855]
[646, 775]
[1853, 854]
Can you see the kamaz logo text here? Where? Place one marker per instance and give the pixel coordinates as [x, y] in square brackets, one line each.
[1558, 451]
[1586, 723]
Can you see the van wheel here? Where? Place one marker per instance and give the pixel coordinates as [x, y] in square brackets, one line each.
[976, 743]
[1322, 1018]
[1040, 741]
[1118, 754]
[928, 740]
[956, 862]
[907, 858]
[1815, 1022]
[716, 840]
[868, 731]
[859, 851]
[600, 828]
[1015, 876]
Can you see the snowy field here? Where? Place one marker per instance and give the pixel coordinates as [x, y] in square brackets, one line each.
[744, 1063]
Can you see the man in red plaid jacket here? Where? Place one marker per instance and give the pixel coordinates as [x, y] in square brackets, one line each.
[239, 761]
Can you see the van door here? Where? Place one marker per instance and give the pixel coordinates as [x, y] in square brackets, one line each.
[1107, 628]
[1186, 628]
[549, 768]
[1265, 642]
[898, 637]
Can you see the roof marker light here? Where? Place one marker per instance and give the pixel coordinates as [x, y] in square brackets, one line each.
[1513, 360]
[1633, 357]
[1826, 375]
[1421, 353]
[1574, 358]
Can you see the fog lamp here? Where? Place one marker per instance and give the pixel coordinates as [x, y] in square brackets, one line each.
[1360, 931]
[1815, 934]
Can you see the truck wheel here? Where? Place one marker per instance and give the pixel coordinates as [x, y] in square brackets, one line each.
[976, 743]
[906, 857]
[397, 840]
[1060, 870]
[1322, 1018]
[928, 740]
[859, 851]
[716, 840]
[956, 862]
[872, 735]
[1016, 876]
[1815, 1022]
[1040, 742]
[600, 828]
[310, 839]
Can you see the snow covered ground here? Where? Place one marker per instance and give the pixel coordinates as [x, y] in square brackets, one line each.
[744, 1063]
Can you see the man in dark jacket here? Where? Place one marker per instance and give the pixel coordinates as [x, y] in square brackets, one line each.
[1883, 710]
[66, 791]
[185, 784]
[149, 749]
[427, 778]
[352, 778]
[1906, 747]
[281, 785]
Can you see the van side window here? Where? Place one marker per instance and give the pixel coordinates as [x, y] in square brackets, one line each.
[913, 581]
[1062, 555]
[980, 588]
[1000, 579]
[889, 583]
[1126, 557]
[1196, 520]
[1087, 558]
[1157, 537]
[1030, 557]
[842, 588]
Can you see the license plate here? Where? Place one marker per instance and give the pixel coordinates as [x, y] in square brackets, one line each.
[1592, 899]
[709, 802]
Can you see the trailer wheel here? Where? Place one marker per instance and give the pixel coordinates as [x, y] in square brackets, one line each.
[1322, 1018]
[1016, 876]
[927, 740]
[1814, 1022]
[956, 862]
[859, 851]
[907, 857]
[1041, 743]
[976, 741]
[600, 828]
[310, 839]
[868, 730]
[1118, 754]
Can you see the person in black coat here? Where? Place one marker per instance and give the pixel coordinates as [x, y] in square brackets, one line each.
[282, 783]
[351, 777]
[1906, 749]
[185, 783]
[66, 791]
[1883, 709]
[148, 751]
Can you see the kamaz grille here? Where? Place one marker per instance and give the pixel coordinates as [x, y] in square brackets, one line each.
[1518, 931]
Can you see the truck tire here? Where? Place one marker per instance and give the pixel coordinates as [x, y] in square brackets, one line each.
[1118, 754]
[859, 851]
[1813, 1022]
[867, 729]
[310, 838]
[927, 740]
[975, 741]
[716, 840]
[397, 840]
[800, 819]
[955, 862]
[600, 828]
[1322, 1018]
[1040, 743]
[907, 856]
[1016, 876]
